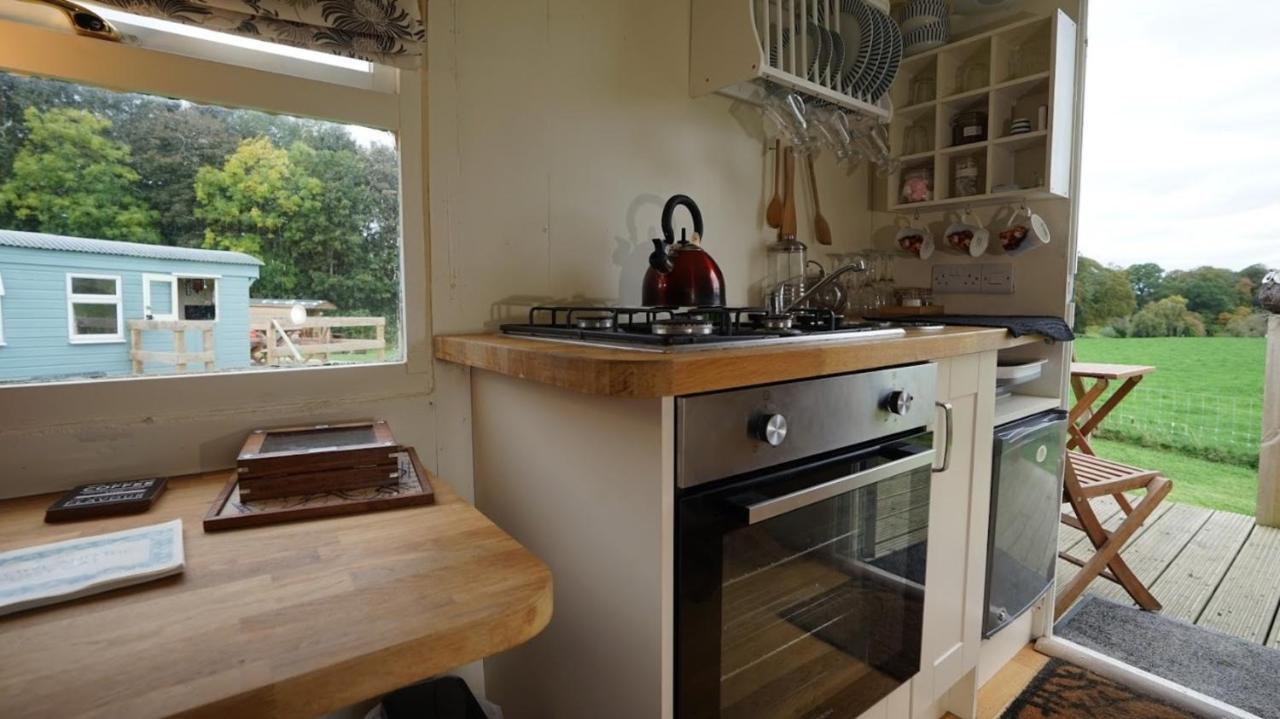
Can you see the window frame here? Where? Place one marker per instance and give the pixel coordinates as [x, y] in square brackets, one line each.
[74, 298]
[220, 404]
[147, 279]
[217, 291]
[2, 342]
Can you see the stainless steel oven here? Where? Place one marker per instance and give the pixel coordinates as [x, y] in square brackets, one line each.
[802, 527]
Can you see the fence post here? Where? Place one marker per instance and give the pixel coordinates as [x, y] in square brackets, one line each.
[1268, 512]
[180, 349]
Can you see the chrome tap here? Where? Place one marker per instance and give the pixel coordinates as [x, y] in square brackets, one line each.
[858, 265]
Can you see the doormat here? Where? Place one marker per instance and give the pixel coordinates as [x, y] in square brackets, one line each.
[1066, 691]
[1227, 668]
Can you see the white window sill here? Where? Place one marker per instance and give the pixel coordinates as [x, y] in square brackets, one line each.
[96, 341]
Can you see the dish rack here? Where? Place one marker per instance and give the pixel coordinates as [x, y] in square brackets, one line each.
[729, 57]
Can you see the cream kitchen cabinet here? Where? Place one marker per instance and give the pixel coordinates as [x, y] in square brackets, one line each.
[958, 509]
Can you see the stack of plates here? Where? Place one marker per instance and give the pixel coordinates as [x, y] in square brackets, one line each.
[925, 25]
[1019, 126]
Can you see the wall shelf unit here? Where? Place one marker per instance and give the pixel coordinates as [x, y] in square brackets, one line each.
[728, 55]
[1008, 73]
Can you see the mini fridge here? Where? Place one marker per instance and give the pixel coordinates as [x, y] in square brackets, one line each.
[1026, 499]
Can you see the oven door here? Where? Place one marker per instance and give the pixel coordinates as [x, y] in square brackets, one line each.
[800, 591]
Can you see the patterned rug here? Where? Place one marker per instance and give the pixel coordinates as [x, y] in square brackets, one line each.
[1066, 691]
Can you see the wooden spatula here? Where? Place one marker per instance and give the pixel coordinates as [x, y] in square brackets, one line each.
[788, 224]
[773, 213]
[821, 230]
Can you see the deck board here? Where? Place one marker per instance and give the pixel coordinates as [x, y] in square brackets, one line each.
[1245, 603]
[1154, 550]
[1213, 568]
[1189, 582]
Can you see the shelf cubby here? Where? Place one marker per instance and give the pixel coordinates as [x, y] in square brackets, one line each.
[1029, 166]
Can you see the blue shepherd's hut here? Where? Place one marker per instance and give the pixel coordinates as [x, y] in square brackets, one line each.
[72, 307]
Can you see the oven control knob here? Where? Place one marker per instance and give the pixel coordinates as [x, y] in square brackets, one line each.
[898, 402]
[771, 429]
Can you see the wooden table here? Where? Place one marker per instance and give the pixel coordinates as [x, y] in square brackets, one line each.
[289, 620]
[1083, 418]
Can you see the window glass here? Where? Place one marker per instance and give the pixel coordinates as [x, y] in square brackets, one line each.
[94, 319]
[92, 286]
[284, 230]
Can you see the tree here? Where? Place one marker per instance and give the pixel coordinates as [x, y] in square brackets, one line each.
[1168, 317]
[1209, 291]
[68, 178]
[1101, 294]
[1145, 278]
[250, 204]
[171, 141]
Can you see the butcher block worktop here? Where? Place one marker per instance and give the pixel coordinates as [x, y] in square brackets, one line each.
[289, 620]
[631, 373]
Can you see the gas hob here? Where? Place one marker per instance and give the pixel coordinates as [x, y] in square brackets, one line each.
[674, 329]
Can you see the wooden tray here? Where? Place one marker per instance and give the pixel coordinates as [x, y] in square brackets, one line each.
[289, 450]
[229, 511]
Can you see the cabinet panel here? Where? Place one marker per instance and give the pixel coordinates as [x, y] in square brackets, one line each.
[957, 526]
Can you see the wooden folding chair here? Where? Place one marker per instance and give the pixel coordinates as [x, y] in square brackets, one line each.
[1089, 477]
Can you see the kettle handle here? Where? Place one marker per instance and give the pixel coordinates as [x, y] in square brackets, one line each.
[668, 210]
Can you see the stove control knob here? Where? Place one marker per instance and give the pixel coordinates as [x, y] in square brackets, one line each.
[898, 402]
[771, 429]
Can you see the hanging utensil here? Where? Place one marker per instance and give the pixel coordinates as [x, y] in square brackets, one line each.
[773, 213]
[788, 228]
[821, 230]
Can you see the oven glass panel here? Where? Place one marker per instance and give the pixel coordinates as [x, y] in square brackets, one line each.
[819, 610]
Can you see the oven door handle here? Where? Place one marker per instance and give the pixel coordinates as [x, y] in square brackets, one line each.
[948, 413]
[777, 506]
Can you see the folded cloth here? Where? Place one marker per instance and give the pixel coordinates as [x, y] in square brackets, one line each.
[1018, 325]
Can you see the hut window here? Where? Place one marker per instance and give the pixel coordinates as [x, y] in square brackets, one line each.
[197, 298]
[93, 309]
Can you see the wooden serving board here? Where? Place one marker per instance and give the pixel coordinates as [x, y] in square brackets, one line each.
[231, 511]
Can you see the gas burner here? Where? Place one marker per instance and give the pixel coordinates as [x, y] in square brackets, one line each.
[682, 325]
[594, 321]
[774, 322]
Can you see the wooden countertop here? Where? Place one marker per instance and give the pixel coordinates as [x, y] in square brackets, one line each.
[629, 373]
[289, 620]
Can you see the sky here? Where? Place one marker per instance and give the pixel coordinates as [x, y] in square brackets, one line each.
[1181, 155]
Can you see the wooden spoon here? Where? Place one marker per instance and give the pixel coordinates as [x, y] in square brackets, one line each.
[788, 225]
[773, 213]
[821, 230]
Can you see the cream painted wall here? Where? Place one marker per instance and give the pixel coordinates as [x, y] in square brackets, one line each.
[558, 129]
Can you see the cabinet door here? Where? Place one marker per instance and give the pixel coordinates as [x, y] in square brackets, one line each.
[958, 507]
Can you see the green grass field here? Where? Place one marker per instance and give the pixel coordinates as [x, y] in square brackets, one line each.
[1204, 400]
[1197, 418]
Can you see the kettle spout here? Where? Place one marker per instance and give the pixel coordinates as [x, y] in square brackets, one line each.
[659, 260]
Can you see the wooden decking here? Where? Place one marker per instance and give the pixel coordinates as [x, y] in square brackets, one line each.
[1216, 569]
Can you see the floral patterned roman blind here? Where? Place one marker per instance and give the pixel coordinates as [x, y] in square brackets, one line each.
[390, 32]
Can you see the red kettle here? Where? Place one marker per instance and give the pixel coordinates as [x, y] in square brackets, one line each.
[682, 274]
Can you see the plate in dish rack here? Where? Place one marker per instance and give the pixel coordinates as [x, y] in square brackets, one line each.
[879, 55]
[851, 35]
[855, 75]
[892, 54]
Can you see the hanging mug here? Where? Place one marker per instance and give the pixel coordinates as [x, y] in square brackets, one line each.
[915, 239]
[967, 237]
[1024, 231]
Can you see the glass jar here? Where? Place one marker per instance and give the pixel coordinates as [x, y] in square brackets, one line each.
[787, 264]
[968, 126]
[967, 177]
[917, 184]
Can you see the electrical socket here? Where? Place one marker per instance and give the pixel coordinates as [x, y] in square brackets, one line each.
[997, 279]
[957, 279]
[965, 279]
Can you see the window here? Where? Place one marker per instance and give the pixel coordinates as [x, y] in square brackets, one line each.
[212, 211]
[94, 312]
